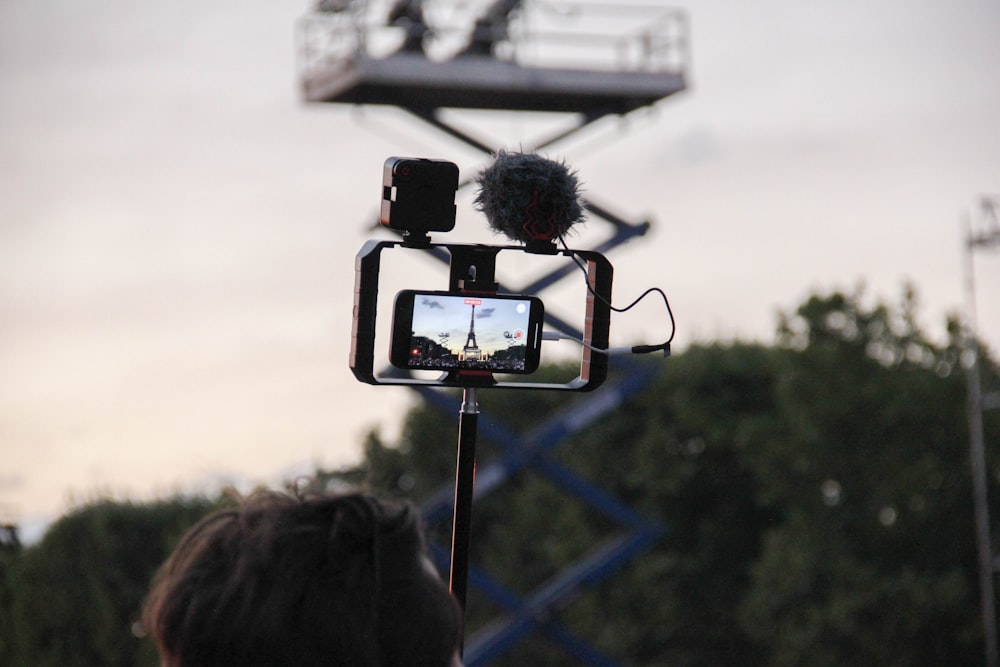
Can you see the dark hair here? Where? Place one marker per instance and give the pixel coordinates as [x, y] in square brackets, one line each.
[321, 579]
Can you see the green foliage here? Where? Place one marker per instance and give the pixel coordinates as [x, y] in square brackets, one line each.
[75, 596]
[873, 562]
[10, 551]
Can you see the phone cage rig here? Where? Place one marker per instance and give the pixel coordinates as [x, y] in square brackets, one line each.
[472, 269]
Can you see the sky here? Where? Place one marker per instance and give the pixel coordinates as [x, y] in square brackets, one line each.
[178, 229]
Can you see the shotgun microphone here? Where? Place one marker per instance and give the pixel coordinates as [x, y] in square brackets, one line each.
[528, 198]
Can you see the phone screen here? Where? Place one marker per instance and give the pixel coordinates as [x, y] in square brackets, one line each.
[448, 331]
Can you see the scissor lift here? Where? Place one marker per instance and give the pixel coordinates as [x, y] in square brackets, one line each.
[582, 59]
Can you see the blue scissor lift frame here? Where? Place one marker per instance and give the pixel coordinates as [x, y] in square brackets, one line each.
[337, 66]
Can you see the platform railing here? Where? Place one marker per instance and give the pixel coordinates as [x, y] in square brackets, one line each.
[567, 35]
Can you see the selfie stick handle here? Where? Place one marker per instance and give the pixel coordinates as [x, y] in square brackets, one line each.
[465, 477]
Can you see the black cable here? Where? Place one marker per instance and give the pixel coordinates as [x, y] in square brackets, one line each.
[637, 349]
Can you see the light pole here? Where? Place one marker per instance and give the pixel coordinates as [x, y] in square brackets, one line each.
[987, 238]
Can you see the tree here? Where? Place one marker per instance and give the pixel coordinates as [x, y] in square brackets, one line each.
[10, 551]
[873, 561]
[75, 596]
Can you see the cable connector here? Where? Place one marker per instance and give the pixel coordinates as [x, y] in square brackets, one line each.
[646, 349]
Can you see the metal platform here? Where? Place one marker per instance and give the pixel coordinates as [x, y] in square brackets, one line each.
[474, 82]
[344, 60]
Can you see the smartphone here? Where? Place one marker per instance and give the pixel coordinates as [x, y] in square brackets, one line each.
[453, 331]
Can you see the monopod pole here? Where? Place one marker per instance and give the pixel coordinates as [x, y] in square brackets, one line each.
[465, 477]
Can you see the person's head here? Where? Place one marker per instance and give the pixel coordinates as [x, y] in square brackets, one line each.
[318, 580]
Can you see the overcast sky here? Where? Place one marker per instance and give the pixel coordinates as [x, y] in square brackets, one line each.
[177, 229]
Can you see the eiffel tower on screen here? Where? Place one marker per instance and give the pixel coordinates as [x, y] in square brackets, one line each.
[471, 351]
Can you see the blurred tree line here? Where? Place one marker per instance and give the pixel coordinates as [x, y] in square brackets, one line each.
[816, 496]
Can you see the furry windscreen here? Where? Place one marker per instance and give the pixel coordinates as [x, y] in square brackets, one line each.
[528, 198]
